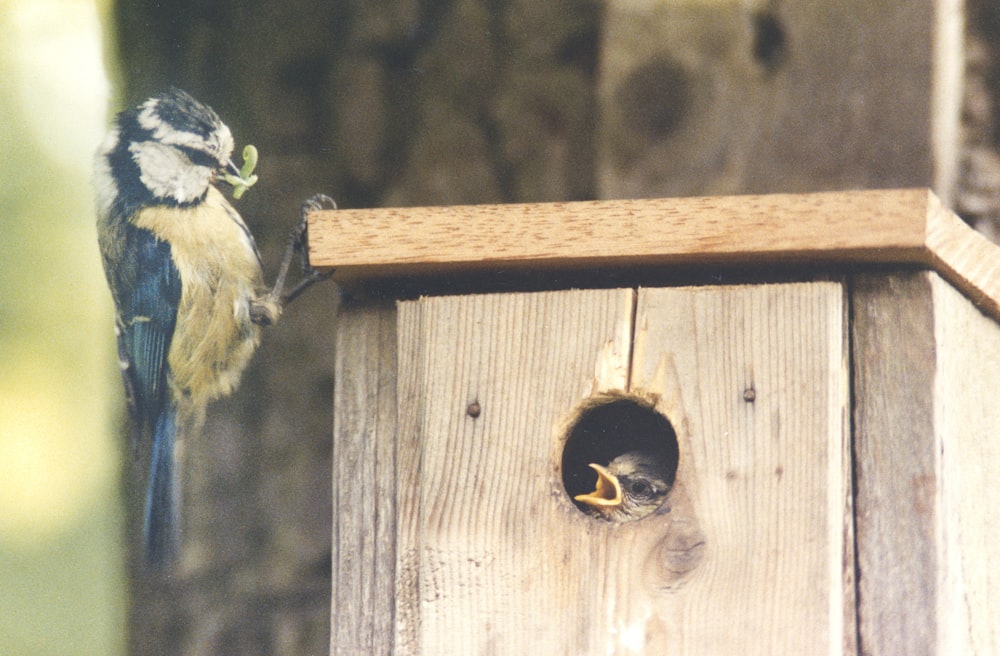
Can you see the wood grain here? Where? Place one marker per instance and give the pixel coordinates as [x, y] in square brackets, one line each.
[495, 555]
[863, 226]
[893, 359]
[495, 558]
[364, 482]
[963, 257]
[769, 479]
[824, 230]
[967, 419]
[926, 424]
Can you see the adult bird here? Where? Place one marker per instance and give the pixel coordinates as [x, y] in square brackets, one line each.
[632, 485]
[186, 279]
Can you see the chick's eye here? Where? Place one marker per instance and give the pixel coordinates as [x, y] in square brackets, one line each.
[640, 489]
[200, 157]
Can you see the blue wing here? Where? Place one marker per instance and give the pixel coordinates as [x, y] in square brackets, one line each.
[147, 290]
[148, 293]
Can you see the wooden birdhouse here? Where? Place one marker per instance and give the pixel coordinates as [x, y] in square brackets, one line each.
[815, 375]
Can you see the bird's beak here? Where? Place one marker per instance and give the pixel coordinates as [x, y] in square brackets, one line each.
[607, 493]
[231, 168]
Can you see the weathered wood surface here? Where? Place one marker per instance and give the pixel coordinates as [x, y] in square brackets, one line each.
[769, 479]
[967, 419]
[927, 367]
[494, 558]
[908, 226]
[497, 569]
[893, 334]
[364, 482]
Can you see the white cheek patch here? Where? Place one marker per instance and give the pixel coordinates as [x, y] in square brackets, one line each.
[168, 173]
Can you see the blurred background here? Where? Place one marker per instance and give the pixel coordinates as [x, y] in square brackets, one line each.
[389, 103]
[62, 573]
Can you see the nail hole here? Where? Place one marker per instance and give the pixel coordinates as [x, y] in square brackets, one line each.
[634, 443]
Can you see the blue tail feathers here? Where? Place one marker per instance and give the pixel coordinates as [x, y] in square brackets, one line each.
[160, 527]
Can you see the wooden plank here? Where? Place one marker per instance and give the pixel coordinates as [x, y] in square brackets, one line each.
[925, 377]
[896, 471]
[508, 565]
[768, 478]
[964, 257]
[411, 400]
[364, 482]
[967, 419]
[852, 226]
[497, 549]
[825, 230]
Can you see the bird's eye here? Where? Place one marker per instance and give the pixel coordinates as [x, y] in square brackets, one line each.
[200, 157]
[640, 489]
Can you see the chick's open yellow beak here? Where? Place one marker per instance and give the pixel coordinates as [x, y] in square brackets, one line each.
[608, 491]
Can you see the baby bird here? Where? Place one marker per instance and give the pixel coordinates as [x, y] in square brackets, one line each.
[632, 485]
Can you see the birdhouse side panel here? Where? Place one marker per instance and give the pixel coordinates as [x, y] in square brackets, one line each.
[896, 469]
[364, 482]
[967, 419]
[927, 367]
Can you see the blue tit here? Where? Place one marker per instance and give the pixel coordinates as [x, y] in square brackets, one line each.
[632, 485]
[186, 278]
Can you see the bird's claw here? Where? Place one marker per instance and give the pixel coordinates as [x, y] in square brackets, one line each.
[298, 242]
[299, 237]
[317, 203]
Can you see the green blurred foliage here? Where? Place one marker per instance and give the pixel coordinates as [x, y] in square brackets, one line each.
[62, 585]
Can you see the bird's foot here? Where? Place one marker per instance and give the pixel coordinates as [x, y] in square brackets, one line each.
[298, 242]
[266, 310]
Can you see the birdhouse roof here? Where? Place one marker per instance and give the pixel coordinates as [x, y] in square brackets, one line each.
[827, 230]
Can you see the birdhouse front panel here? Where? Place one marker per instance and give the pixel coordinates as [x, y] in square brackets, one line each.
[531, 513]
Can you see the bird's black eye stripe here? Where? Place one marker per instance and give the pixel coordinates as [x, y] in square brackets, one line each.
[199, 157]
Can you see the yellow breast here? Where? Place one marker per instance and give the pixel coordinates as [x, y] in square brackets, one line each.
[220, 276]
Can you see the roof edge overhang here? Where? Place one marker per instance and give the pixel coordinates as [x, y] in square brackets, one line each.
[821, 231]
